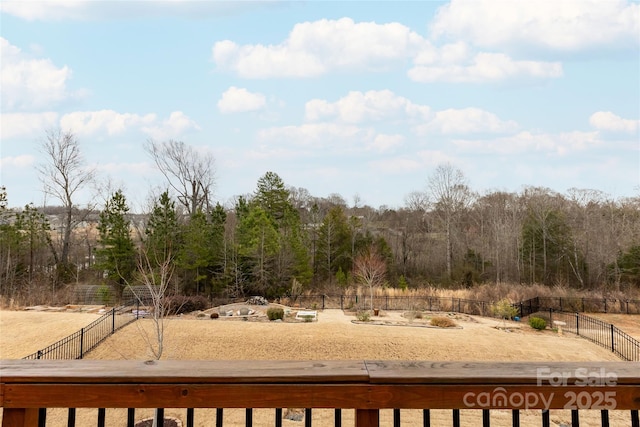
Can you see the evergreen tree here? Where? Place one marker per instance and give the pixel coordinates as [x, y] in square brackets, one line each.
[195, 254]
[334, 244]
[116, 255]
[33, 229]
[258, 246]
[162, 229]
[626, 269]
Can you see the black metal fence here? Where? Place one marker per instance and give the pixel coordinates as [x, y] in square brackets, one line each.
[595, 330]
[575, 304]
[76, 345]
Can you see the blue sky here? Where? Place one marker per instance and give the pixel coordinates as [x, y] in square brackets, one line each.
[361, 97]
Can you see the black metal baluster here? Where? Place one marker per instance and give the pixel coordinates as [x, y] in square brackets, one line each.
[546, 420]
[189, 417]
[575, 418]
[337, 417]
[42, 417]
[604, 417]
[131, 417]
[396, 418]
[71, 417]
[515, 418]
[160, 415]
[219, 417]
[278, 417]
[635, 420]
[307, 417]
[456, 418]
[248, 419]
[426, 416]
[486, 418]
[101, 417]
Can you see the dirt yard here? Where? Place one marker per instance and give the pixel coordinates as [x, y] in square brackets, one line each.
[25, 332]
[333, 336]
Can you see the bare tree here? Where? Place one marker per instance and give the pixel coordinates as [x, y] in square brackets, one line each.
[155, 275]
[370, 269]
[63, 175]
[451, 194]
[189, 172]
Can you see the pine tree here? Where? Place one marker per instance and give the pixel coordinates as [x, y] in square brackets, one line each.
[117, 253]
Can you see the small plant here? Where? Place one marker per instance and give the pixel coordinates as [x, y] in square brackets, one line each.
[275, 313]
[363, 315]
[504, 309]
[308, 318]
[538, 323]
[442, 322]
[214, 315]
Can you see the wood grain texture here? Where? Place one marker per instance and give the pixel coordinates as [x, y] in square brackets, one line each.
[365, 385]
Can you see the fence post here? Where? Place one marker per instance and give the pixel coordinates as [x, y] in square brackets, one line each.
[551, 315]
[39, 354]
[605, 305]
[577, 324]
[341, 302]
[323, 301]
[113, 320]
[627, 306]
[560, 303]
[613, 347]
[137, 310]
[521, 310]
[81, 342]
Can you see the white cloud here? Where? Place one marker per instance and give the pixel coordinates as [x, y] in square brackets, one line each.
[25, 124]
[239, 100]
[551, 144]
[29, 83]
[556, 25]
[314, 48]
[109, 121]
[483, 67]
[19, 162]
[386, 143]
[466, 120]
[177, 124]
[357, 107]
[606, 120]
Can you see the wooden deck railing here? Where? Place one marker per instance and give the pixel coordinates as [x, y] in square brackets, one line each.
[27, 386]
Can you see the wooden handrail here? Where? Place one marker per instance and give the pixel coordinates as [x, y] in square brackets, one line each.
[366, 386]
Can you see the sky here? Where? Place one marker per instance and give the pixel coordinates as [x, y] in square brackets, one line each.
[364, 99]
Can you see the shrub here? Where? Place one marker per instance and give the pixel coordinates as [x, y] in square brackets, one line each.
[275, 313]
[178, 304]
[363, 316]
[214, 315]
[537, 323]
[504, 309]
[443, 322]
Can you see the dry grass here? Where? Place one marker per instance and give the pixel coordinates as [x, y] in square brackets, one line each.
[442, 322]
[334, 336]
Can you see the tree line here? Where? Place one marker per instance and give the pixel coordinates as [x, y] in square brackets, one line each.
[280, 239]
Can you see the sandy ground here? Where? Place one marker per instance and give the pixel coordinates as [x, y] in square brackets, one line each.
[628, 323]
[25, 332]
[333, 336]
